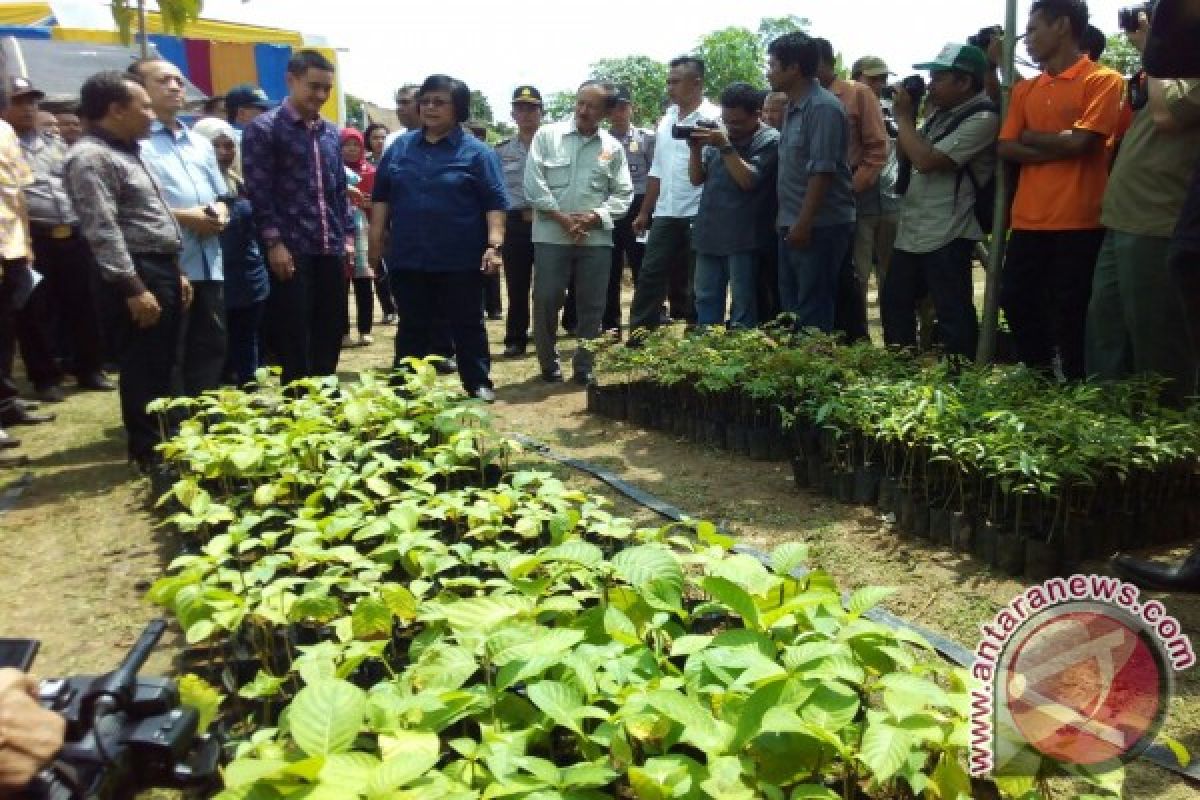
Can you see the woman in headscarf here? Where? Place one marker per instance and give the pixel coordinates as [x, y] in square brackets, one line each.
[246, 284]
[362, 181]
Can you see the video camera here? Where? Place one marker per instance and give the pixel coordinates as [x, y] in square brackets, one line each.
[1129, 19]
[125, 734]
[914, 86]
[686, 131]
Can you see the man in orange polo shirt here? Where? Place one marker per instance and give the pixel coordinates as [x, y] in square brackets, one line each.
[1058, 128]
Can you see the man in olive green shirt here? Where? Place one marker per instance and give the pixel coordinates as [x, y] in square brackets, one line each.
[577, 182]
[1136, 319]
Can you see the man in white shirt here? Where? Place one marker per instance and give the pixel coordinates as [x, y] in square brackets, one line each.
[671, 198]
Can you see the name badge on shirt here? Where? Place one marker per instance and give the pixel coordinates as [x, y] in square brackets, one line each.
[633, 146]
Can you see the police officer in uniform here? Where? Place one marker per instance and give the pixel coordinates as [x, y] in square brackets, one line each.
[639, 152]
[518, 239]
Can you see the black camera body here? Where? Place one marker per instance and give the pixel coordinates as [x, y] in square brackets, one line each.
[983, 39]
[1128, 18]
[914, 86]
[686, 131]
[125, 734]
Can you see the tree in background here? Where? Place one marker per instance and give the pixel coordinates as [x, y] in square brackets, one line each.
[732, 54]
[558, 106]
[771, 28]
[1120, 55]
[481, 109]
[645, 78]
[175, 15]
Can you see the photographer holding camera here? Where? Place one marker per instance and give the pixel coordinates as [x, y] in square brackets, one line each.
[30, 736]
[952, 160]
[736, 166]
[1136, 318]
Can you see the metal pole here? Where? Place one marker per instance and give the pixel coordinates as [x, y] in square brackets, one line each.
[991, 295]
[142, 29]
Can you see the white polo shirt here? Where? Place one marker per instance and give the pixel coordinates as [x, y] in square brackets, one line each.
[676, 195]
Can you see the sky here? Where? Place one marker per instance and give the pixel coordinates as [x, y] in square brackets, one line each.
[496, 45]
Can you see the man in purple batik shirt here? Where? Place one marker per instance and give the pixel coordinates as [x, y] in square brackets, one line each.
[292, 160]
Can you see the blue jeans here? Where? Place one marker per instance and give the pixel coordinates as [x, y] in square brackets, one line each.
[242, 357]
[808, 277]
[712, 275]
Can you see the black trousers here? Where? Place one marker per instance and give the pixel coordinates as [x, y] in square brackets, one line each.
[518, 278]
[626, 250]
[850, 307]
[203, 340]
[945, 276]
[70, 274]
[22, 313]
[431, 302]
[364, 304]
[146, 357]
[307, 317]
[665, 273]
[1045, 290]
[383, 288]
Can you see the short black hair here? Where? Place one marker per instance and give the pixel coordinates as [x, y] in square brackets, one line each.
[408, 88]
[695, 62]
[795, 49]
[1093, 43]
[740, 94]
[103, 89]
[210, 105]
[610, 91]
[460, 94]
[1075, 11]
[374, 126]
[825, 54]
[304, 60]
[135, 68]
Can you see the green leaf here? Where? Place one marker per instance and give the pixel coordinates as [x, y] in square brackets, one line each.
[700, 727]
[906, 694]
[726, 779]
[811, 791]
[200, 630]
[586, 776]
[787, 557]
[733, 597]
[407, 755]
[558, 701]
[326, 716]
[484, 613]
[197, 693]
[885, 748]
[867, 598]
[350, 772]
[949, 780]
[247, 771]
[666, 777]
[379, 486]
[264, 685]
[707, 533]
[689, 645]
[620, 627]
[653, 570]
[399, 600]
[372, 619]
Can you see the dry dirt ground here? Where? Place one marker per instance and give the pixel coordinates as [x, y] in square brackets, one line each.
[80, 544]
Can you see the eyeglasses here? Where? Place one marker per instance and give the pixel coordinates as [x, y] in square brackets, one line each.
[432, 102]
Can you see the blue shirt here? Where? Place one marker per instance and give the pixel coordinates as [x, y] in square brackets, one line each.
[814, 141]
[186, 168]
[438, 196]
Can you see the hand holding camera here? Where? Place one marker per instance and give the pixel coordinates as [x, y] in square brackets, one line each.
[906, 96]
[30, 735]
[683, 132]
[711, 137]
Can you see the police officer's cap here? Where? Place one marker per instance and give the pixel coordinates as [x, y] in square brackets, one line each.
[527, 94]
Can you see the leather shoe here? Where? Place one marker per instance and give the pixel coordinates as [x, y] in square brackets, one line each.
[96, 382]
[446, 366]
[485, 393]
[1183, 577]
[51, 393]
[8, 441]
[20, 415]
[552, 375]
[583, 378]
[13, 460]
[514, 350]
